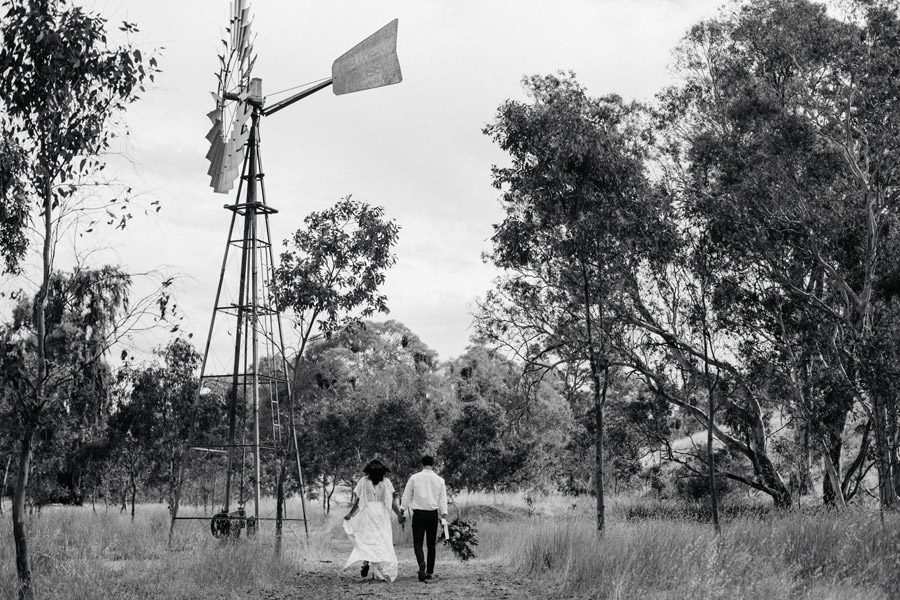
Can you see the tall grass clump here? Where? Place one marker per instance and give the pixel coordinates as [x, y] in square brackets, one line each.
[789, 556]
[81, 554]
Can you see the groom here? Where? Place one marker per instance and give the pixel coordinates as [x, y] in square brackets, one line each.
[425, 494]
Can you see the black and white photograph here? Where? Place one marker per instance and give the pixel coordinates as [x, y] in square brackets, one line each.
[456, 299]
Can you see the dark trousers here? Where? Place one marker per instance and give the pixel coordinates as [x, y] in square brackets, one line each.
[425, 527]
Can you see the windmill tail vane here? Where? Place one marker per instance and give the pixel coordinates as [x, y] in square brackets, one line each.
[370, 64]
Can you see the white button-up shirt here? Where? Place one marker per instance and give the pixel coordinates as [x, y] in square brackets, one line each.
[425, 491]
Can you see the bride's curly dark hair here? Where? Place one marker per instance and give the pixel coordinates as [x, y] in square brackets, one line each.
[375, 471]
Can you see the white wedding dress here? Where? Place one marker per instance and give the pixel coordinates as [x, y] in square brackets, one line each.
[370, 529]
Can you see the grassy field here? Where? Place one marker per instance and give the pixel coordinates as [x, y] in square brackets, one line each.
[651, 550]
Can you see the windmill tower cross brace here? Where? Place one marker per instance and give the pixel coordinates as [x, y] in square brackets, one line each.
[234, 147]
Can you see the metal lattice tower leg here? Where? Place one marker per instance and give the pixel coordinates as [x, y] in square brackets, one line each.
[259, 371]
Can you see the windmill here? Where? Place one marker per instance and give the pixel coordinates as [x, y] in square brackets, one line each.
[255, 327]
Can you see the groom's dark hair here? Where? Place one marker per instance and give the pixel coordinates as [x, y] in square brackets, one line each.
[427, 461]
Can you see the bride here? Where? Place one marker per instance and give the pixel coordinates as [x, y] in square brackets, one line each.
[369, 523]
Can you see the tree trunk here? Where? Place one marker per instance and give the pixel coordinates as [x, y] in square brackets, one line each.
[832, 446]
[599, 402]
[801, 478]
[23, 569]
[711, 386]
[599, 396]
[279, 504]
[893, 430]
[762, 463]
[3, 487]
[711, 459]
[833, 477]
[887, 492]
[133, 494]
[328, 496]
[175, 482]
[855, 472]
[26, 453]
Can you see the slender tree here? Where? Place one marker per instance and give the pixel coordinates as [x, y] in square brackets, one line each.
[329, 277]
[62, 86]
[785, 152]
[577, 202]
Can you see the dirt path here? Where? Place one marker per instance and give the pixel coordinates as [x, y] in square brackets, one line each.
[475, 580]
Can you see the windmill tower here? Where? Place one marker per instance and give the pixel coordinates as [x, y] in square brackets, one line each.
[254, 375]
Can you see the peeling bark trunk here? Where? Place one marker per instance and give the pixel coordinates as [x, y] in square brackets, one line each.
[833, 476]
[855, 472]
[3, 487]
[893, 431]
[886, 490]
[832, 446]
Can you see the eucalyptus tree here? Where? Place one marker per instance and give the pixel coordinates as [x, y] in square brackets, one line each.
[332, 268]
[370, 390]
[62, 88]
[578, 212]
[159, 411]
[509, 430]
[678, 341]
[84, 313]
[785, 152]
[329, 276]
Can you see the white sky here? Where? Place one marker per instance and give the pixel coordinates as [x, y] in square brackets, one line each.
[415, 148]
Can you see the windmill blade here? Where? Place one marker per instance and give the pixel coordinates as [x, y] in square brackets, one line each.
[214, 135]
[370, 64]
[215, 115]
[228, 137]
[232, 151]
[215, 156]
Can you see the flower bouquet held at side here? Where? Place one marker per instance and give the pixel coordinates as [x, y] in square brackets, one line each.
[460, 536]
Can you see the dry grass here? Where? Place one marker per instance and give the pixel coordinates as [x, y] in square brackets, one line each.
[77, 553]
[650, 551]
[761, 554]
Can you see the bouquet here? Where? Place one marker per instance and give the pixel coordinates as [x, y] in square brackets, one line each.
[460, 536]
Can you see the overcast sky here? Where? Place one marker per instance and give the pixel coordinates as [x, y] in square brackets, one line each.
[415, 148]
